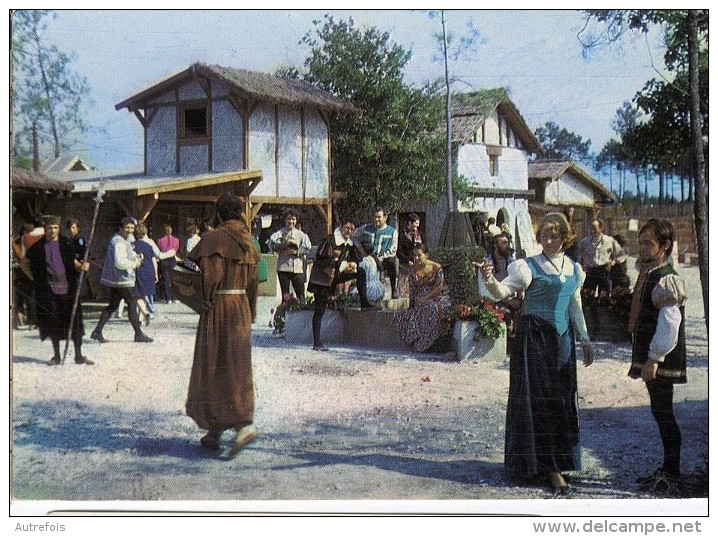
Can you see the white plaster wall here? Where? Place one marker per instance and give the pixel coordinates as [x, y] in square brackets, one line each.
[227, 137]
[491, 130]
[473, 164]
[193, 159]
[219, 90]
[161, 139]
[316, 155]
[290, 152]
[191, 91]
[261, 148]
[567, 190]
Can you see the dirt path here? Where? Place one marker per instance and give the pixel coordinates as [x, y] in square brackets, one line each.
[342, 425]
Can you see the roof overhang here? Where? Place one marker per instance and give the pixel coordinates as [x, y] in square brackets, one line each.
[139, 184]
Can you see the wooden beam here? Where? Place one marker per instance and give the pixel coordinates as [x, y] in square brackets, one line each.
[125, 207]
[151, 114]
[303, 162]
[142, 206]
[251, 177]
[178, 126]
[141, 117]
[322, 212]
[208, 90]
[324, 117]
[205, 83]
[255, 209]
[280, 200]
[276, 149]
[194, 198]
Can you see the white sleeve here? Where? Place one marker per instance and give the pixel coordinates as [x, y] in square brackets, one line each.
[575, 308]
[519, 278]
[122, 261]
[666, 336]
[161, 255]
[305, 245]
[394, 245]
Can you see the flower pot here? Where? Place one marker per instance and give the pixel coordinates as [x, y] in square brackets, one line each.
[485, 350]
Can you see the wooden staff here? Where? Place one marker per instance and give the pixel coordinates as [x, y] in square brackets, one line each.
[98, 200]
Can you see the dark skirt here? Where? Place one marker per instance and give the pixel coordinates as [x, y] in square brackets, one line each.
[53, 316]
[542, 431]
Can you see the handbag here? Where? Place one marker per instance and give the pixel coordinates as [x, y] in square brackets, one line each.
[323, 268]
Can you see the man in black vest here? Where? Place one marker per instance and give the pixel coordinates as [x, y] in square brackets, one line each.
[657, 322]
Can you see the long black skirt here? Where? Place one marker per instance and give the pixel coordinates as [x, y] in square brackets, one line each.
[53, 316]
[542, 431]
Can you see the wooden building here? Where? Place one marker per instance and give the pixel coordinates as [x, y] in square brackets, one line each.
[563, 186]
[32, 193]
[492, 146]
[210, 120]
[212, 129]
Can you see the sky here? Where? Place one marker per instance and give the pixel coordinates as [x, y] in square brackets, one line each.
[536, 55]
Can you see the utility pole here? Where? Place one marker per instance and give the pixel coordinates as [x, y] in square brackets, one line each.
[449, 166]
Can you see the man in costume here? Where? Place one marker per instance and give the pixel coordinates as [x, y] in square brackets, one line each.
[54, 271]
[221, 386]
[118, 274]
[657, 322]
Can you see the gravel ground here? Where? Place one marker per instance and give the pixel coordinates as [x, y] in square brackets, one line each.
[335, 428]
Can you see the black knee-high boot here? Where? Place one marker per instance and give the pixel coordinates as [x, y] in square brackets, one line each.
[320, 306]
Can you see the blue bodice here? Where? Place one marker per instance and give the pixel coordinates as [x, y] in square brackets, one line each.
[548, 297]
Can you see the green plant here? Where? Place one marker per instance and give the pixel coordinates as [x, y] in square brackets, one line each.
[292, 303]
[489, 318]
[459, 272]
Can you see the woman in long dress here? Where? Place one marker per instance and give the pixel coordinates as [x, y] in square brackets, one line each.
[221, 387]
[424, 321]
[542, 429]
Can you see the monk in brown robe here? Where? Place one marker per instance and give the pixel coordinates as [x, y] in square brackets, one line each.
[221, 387]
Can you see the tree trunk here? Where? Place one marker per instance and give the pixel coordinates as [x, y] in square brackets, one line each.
[661, 192]
[699, 206]
[46, 86]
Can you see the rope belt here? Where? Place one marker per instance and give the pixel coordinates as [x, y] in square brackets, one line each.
[231, 291]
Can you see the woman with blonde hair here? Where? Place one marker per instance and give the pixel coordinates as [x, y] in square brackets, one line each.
[542, 432]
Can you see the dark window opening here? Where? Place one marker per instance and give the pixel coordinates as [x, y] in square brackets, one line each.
[493, 165]
[195, 122]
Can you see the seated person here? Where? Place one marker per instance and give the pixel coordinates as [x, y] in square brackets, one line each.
[386, 242]
[424, 321]
[370, 264]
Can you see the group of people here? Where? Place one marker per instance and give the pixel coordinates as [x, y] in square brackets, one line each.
[542, 438]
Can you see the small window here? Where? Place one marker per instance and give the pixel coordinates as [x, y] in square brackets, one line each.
[195, 122]
[494, 165]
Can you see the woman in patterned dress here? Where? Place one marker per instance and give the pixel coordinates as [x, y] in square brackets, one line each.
[424, 321]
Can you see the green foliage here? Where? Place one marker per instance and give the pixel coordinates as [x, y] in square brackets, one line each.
[489, 318]
[459, 272]
[559, 143]
[390, 152]
[46, 90]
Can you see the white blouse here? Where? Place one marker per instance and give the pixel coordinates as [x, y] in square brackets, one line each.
[520, 278]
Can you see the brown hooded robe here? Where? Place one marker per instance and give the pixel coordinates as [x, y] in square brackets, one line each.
[221, 387]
